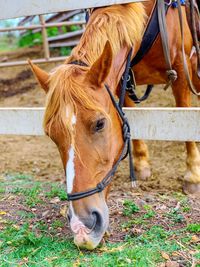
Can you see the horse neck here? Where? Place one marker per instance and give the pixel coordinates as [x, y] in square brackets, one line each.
[109, 24]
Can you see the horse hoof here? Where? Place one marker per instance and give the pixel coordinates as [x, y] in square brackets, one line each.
[144, 174]
[191, 188]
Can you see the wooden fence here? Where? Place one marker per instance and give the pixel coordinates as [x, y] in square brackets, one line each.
[63, 40]
[177, 124]
[180, 124]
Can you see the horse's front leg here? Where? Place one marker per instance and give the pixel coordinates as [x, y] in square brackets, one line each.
[192, 176]
[140, 152]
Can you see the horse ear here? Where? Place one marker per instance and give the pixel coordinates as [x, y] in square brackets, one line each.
[41, 76]
[101, 68]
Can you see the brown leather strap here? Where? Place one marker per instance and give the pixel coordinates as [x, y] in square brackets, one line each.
[194, 33]
[185, 65]
[171, 74]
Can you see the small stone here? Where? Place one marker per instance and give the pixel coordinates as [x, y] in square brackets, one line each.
[33, 209]
[195, 239]
[16, 227]
[44, 214]
[55, 200]
[162, 207]
[63, 211]
[172, 264]
[165, 255]
[140, 202]
[149, 198]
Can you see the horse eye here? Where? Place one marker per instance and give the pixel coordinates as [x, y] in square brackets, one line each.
[99, 125]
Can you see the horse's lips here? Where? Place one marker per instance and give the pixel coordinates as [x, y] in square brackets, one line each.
[87, 241]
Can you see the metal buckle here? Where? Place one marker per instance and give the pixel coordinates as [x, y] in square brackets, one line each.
[100, 186]
[170, 2]
[128, 78]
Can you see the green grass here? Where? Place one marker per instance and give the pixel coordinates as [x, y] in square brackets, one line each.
[129, 208]
[176, 216]
[8, 43]
[24, 246]
[34, 241]
[57, 191]
[31, 194]
[57, 224]
[194, 228]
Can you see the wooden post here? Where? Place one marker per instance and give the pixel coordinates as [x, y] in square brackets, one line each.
[44, 38]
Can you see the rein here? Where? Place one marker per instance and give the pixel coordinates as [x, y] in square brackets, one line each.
[126, 150]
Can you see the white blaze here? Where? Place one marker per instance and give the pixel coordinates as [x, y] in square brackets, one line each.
[76, 225]
[70, 168]
[73, 119]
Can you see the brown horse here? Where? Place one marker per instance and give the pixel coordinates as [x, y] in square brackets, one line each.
[81, 119]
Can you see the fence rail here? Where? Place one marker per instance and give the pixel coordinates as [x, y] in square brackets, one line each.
[40, 26]
[31, 8]
[15, 8]
[172, 124]
[64, 40]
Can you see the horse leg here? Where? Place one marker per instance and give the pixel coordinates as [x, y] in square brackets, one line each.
[183, 99]
[140, 152]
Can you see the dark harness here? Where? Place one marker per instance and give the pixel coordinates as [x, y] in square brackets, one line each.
[126, 150]
[128, 86]
[150, 35]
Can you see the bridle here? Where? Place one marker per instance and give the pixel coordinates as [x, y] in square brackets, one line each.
[126, 150]
[128, 85]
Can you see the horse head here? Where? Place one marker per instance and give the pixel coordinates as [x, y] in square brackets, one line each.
[81, 120]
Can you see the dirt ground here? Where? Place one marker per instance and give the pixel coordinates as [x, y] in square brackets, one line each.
[39, 156]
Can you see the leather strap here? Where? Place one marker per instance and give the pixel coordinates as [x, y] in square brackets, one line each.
[185, 65]
[194, 33]
[126, 150]
[171, 74]
[149, 37]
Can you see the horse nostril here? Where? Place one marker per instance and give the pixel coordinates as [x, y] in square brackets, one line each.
[97, 221]
[69, 216]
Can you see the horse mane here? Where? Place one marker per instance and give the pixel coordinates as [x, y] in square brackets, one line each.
[120, 24]
[65, 92]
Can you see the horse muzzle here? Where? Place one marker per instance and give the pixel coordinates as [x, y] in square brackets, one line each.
[89, 229]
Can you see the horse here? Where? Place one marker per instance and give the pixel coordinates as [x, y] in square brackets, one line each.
[80, 116]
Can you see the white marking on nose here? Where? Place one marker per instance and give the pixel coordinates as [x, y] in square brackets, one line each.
[76, 225]
[73, 119]
[70, 168]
